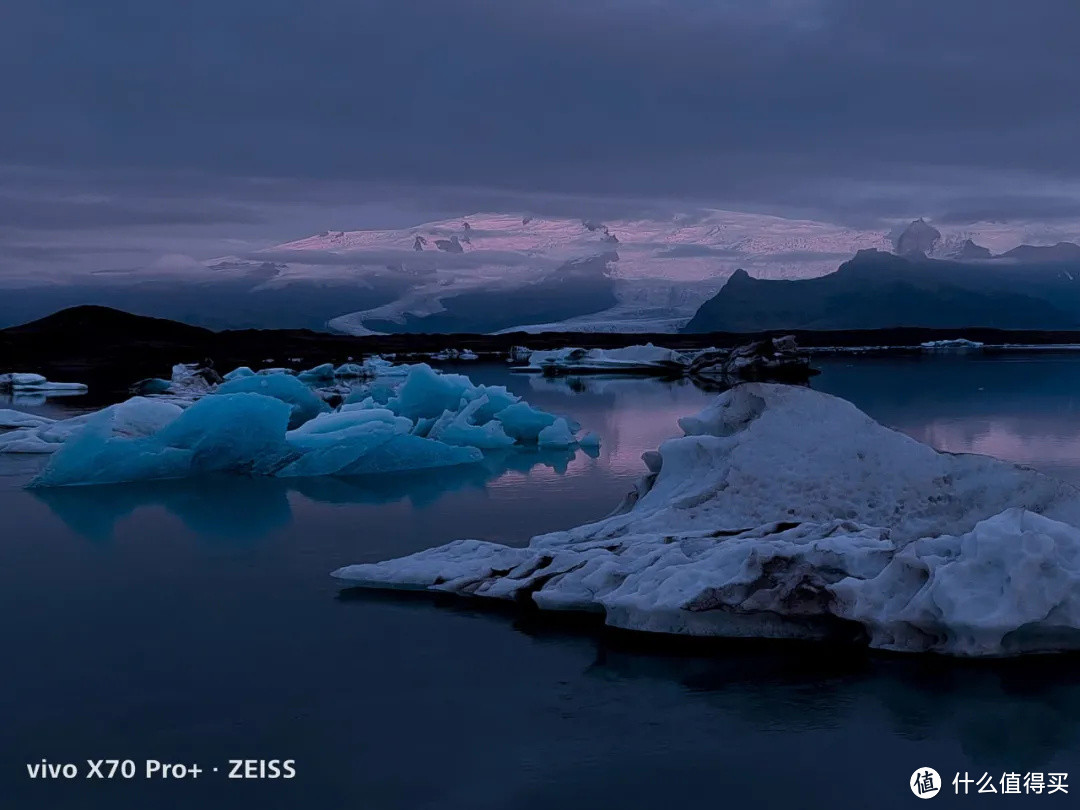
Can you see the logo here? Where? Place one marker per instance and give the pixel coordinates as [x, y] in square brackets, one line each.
[925, 783]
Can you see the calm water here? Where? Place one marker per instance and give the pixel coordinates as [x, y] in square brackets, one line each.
[198, 623]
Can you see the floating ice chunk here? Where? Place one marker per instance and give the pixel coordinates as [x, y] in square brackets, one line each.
[379, 393]
[498, 398]
[21, 381]
[589, 441]
[95, 456]
[152, 386]
[467, 354]
[240, 433]
[381, 367]
[523, 422]
[320, 374]
[426, 393]
[305, 404]
[244, 426]
[348, 370]
[463, 428]
[133, 418]
[647, 358]
[959, 345]
[557, 434]
[239, 373]
[19, 419]
[266, 372]
[193, 378]
[790, 513]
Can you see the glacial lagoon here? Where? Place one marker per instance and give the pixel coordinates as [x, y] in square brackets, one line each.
[196, 621]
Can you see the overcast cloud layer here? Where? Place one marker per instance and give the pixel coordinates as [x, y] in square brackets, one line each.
[138, 119]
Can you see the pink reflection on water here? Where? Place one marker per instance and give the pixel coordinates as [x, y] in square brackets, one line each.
[1040, 441]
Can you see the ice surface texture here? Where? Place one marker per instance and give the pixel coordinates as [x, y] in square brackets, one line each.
[788, 513]
[275, 424]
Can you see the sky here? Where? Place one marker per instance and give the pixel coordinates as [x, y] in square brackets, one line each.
[135, 132]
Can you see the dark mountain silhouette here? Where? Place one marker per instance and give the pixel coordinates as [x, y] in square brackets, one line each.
[1061, 252]
[917, 239]
[880, 290]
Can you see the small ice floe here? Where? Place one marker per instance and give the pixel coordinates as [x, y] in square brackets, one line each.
[277, 425]
[957, 345]
[787, 513]
[188, 380]
[647, 359]
[455, 354]
[17, 382]
[518, 354]
[770, 360]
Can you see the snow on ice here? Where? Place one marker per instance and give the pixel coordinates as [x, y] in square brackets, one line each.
[787, 513]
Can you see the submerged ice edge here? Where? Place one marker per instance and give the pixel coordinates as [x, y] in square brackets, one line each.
[788, 513]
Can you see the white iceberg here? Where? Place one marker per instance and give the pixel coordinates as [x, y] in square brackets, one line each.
[788, 513]
[36, 383]
[955, 345]
[637, 359]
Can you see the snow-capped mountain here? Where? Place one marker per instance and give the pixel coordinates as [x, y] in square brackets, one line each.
[491, 272]
[507, 272]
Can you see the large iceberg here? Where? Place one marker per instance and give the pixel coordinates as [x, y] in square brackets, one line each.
[275, 425]
[788, 513]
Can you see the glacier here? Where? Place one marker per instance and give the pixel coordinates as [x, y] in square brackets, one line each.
[787, 513]
[277, 425]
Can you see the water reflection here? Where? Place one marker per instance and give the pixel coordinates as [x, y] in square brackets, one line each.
[793, 687]
[1023, 408]
[241, 509]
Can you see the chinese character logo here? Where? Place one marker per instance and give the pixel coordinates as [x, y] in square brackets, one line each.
[925, 783]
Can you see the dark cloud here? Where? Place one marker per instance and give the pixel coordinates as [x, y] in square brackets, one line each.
[729, 99]
[1006, 208]
[218, 127]
[60, 214]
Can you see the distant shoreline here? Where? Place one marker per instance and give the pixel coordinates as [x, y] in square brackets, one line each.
[100, 342]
